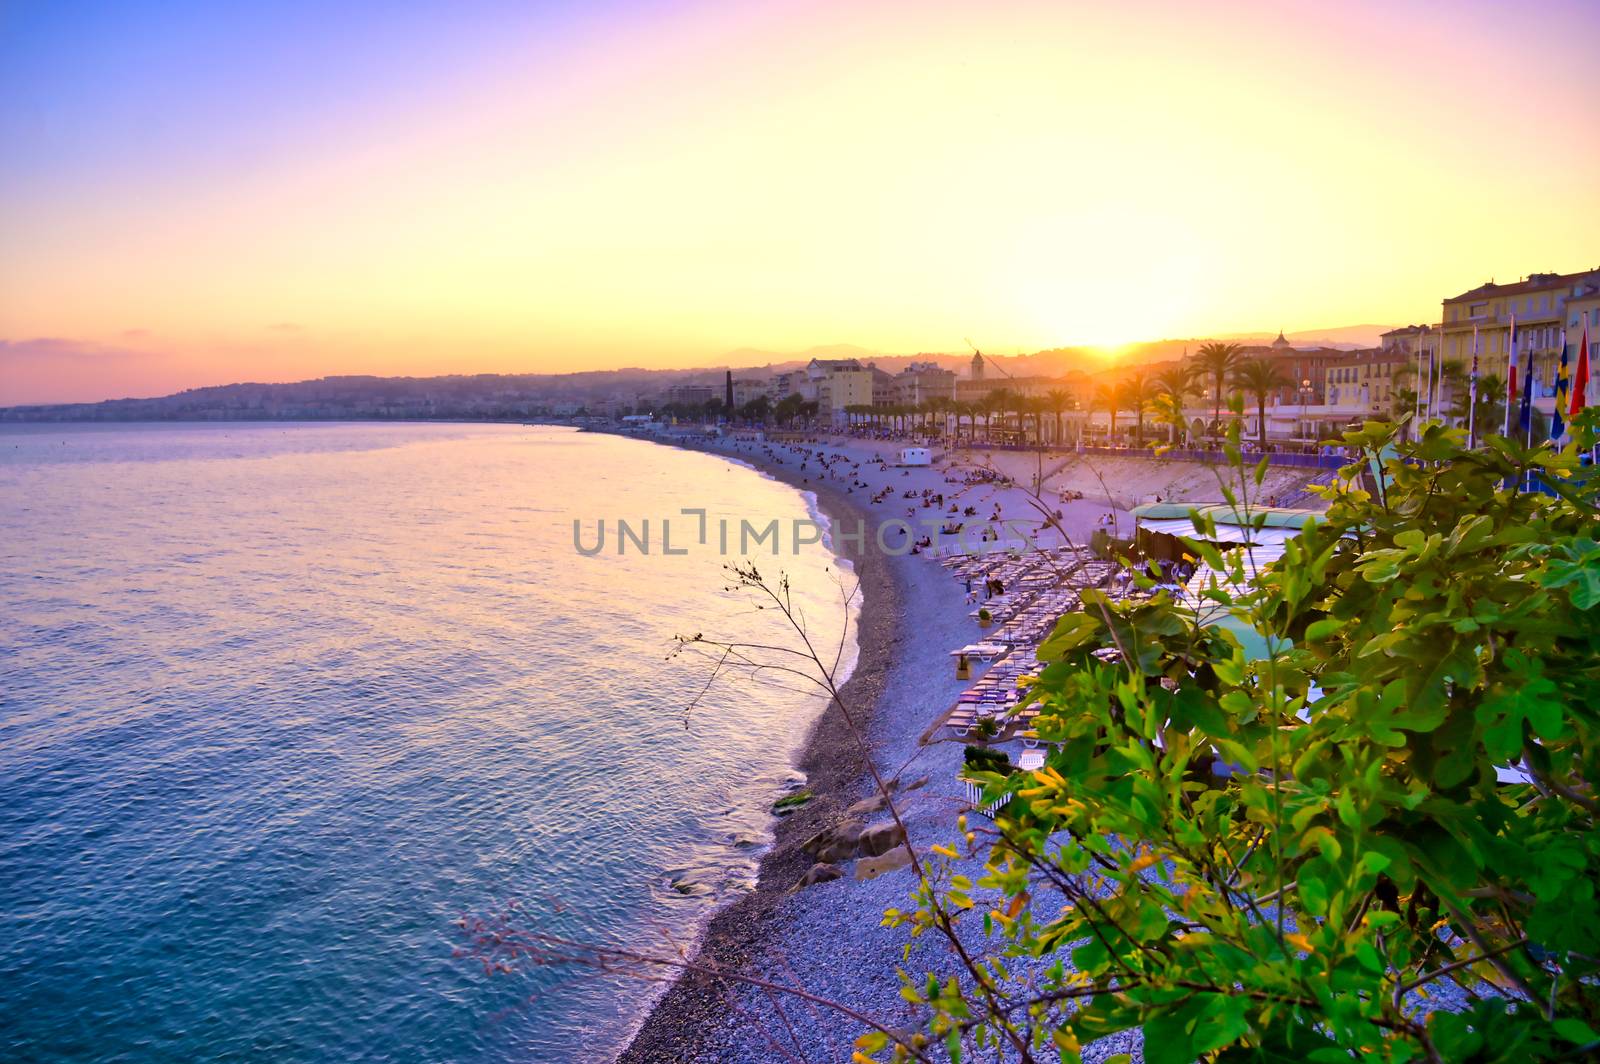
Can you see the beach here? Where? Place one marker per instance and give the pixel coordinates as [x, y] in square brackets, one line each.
[827, 937]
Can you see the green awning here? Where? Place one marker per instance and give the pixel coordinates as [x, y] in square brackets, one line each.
[1223, 514]
[1256, 646]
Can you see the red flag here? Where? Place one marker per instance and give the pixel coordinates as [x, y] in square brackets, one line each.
[1580, 376]
[1511, 376]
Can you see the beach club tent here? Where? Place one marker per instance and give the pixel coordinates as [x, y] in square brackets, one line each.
[1266, 543]
[1264, 531]
[1234, 527]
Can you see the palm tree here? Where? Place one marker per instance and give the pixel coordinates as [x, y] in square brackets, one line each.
[1058, 401]
[1449, 384]
[1175, 384]
[969, 411]
[1107, 395]
[1488, 410]
[1036, 406]
[1260, 377]
[1217, 361]
[1138, 388]
[998, 403]
[1168, 410]
[788, 409]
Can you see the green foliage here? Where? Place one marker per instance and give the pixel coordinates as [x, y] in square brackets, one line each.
[790, 802]
[984, 759]
[1308, 855]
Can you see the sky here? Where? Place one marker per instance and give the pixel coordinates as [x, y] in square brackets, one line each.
[200, 193]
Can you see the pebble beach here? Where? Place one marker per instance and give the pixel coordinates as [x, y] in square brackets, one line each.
[828, 937]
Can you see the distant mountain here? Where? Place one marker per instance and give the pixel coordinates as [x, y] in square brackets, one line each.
[492, 396]
[1345, 336]
[747, 357]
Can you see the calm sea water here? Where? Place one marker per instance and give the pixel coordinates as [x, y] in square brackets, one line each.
[278, 703]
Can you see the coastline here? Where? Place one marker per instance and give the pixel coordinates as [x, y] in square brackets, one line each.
[829, 938]
[679, 1025]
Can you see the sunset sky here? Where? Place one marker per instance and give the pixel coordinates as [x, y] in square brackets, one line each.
[195, 193]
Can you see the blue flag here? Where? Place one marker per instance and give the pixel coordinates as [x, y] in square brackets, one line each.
[1525, 414]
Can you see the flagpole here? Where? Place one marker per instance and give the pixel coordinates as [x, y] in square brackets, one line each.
[1431, 357]
[1511, 377]
[1472, 394]
[1527, 412]
[1417, 392]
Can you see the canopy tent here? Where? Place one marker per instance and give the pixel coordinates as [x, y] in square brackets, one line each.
[1265, 545]
[1226, 533]
[1223, 514]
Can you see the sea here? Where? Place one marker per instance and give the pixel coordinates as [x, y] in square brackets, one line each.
[282, 703]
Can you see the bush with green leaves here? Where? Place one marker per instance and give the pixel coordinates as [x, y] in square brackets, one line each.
[1311, 854]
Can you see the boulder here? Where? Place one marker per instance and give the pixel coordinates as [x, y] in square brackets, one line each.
[818, 873]
[868, 806]
[873, 867]
[880, 839]
[836, 843]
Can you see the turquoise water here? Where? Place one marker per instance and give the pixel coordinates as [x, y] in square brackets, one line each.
[279, 703]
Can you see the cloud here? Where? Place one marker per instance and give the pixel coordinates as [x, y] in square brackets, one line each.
[56, 369]
[136, 334]
[57, 349]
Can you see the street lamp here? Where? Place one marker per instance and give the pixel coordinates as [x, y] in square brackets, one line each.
[1305, 395]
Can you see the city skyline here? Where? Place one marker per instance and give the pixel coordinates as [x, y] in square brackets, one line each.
[197, 196]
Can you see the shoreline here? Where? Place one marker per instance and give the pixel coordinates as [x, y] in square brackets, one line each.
[677, 1026]
[829, 937]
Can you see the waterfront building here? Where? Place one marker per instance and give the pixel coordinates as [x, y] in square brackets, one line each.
[1410, 340]
[837, 384]
[1539, 304]
[747, 388]
[786, 384]
[1304, 370]
[921, 381]
[1364, 382]
[690, 394]
[883, 390]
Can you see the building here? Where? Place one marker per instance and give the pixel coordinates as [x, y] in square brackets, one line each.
[1364, 381]
[786, 384]
[923, 381]
[691, 394]
[1410, 340]
[747, 388]
[883, 390]
[838, 384]
[1479, 321]
[1304, 370]
[1583, 312]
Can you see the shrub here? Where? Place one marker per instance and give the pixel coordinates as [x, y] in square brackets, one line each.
[1304, 854]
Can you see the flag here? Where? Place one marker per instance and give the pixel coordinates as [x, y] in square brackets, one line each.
[1580, 378]
[1558, 427]
[1511, 373]
[1472, 393]
[1525, 415]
